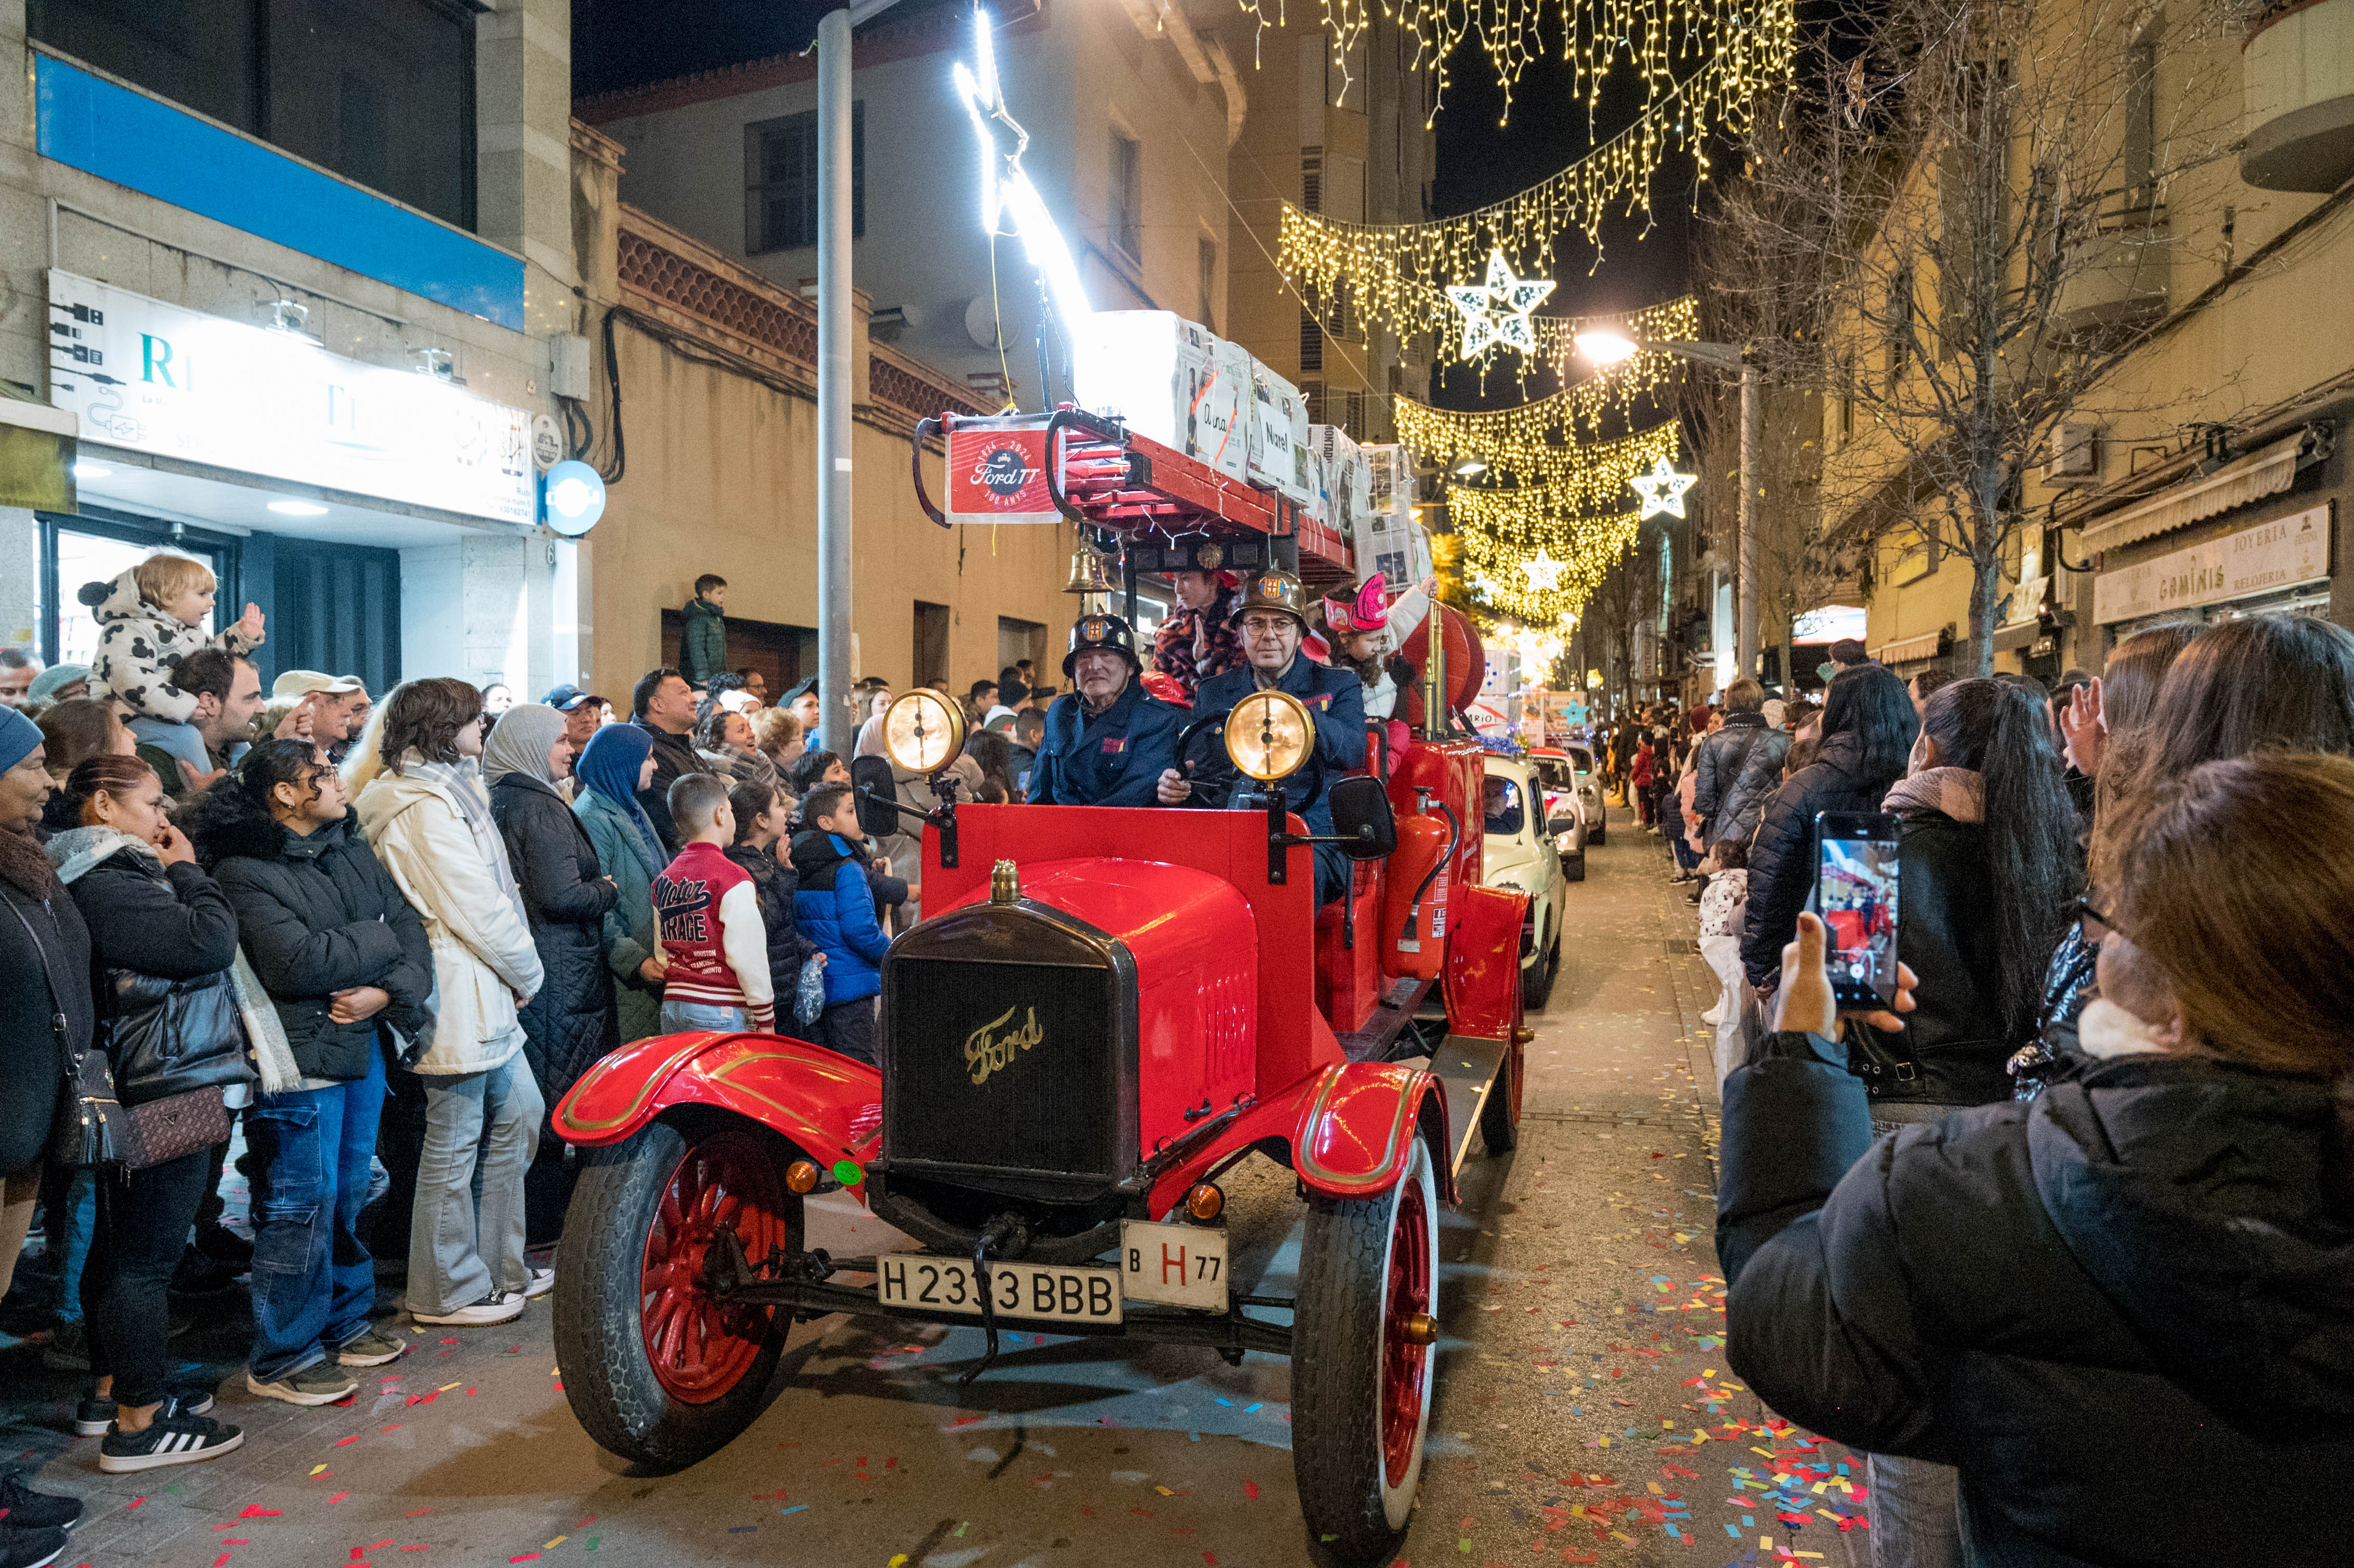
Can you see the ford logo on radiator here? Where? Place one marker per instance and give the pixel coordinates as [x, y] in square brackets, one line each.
[987, 1051]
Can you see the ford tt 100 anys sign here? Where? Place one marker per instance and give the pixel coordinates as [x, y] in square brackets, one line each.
[157, 378]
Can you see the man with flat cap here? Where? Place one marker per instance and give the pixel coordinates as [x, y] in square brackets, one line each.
[1107, 743]
[1271, 616]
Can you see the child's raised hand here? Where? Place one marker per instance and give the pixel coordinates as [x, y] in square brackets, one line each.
[249, 625]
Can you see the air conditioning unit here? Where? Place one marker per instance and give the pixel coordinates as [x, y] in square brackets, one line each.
[2075, 456]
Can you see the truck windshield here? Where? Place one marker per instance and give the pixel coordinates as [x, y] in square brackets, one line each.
[1506, 814]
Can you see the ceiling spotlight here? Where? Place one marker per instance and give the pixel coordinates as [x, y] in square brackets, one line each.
[1607, 347]
[289, 315]
[298, 509]
[89, 471]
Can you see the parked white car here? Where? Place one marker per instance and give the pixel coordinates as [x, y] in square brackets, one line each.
[1523, 856]
[1567, 773]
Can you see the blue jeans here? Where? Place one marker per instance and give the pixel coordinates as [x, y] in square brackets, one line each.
[81, 1232]
[465, 1234]
[680, 1017]
[314, 1283]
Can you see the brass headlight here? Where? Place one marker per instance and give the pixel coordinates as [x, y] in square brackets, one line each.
[923, 731]
[1269, 735]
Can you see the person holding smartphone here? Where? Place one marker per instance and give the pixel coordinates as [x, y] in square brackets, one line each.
[1989, 870]
[2123, 1310]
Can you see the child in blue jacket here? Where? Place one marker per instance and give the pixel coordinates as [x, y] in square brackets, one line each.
[835, 907]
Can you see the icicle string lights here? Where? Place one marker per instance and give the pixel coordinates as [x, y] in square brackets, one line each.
[1392, 274]
[1519, 443]
[1504, 533]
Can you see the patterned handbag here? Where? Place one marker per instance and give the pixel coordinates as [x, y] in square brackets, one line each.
[157, 1131]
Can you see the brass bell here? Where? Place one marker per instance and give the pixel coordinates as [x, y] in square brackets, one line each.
[1090, 570]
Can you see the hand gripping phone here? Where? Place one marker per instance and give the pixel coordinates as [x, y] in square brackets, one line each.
[1856, 877]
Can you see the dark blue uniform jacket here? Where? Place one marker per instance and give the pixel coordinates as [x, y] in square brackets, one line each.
[1113, 758]
[1336, 701]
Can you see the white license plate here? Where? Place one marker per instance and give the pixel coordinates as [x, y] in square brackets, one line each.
[1183, 1265]
[1021, 1289]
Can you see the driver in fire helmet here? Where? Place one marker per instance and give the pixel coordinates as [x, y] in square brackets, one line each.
[1272, 614]
[1107, 742]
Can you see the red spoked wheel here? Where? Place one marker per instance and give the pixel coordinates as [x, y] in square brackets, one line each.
[700, 1348]
[1406, 1316]
[1361, 1382]
[656, 1369]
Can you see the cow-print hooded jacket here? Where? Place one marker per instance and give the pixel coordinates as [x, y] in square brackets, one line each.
[138, 646]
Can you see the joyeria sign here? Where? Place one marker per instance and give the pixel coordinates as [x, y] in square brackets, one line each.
[998, 476]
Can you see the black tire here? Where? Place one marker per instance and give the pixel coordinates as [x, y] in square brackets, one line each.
[1536, 980]
[1600, 830]
[1355, 1496]
[604, 1281]
[1499, 1113]
[1572, 866]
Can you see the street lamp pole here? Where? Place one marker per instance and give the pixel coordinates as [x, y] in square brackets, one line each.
[1610, 348]
[834, 335]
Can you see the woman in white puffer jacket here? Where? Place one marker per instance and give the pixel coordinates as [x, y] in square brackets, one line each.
[417, 784]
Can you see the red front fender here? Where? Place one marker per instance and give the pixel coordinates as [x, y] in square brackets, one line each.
[828, 1105]
[1483, 963]
[1347, 1126]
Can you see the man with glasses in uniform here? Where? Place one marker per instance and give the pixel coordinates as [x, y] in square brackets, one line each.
[1272, 614]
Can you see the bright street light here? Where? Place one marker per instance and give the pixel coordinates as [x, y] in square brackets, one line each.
[1607, 347]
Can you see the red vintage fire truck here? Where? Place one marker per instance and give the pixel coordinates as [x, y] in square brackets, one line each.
[1102, 1012]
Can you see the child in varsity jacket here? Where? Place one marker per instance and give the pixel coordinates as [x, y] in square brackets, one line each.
[709, 912]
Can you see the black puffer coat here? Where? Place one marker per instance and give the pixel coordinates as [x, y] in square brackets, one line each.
[1952, 1051]
[2123, 1309]
[317, 916]
[1741, 805]
[569, 1020]
[1782, 856]
[776, 883]
[165, 937]
[42, 942]
[1717, 764]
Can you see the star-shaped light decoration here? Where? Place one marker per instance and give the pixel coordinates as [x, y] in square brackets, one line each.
[1662, 489]
[1498, 311]
[1544, 572]
[1005, 189]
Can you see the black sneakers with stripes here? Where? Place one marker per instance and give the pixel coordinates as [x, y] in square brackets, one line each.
[175, 1437]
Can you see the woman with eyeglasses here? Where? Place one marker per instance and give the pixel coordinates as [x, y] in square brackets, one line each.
[2124, 1310]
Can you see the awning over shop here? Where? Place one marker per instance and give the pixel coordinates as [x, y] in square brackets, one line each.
[2236, 483]
[1911, 650]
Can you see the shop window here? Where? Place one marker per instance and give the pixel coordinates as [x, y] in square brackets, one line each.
[84, 548]
[381, 92]
[780, 181]
[1127, 194]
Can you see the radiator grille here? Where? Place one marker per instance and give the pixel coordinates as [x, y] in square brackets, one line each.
[1039, 1040]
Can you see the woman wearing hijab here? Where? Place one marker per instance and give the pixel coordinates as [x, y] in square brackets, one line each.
[572, 1020]
[616, 764]
[422, 806]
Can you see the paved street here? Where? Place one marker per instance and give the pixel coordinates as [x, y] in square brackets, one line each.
[1584, 1412]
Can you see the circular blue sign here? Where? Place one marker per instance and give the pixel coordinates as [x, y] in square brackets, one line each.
[572, 497]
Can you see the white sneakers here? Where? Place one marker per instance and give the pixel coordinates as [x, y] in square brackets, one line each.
[498, 1307]
[543, 1280]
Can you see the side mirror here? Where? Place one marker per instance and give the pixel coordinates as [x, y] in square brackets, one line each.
[1562, 825]
[1362, 818]
[875, 819]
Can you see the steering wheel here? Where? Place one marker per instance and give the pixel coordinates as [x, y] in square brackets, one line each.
[1211, 791]
[1215, 791]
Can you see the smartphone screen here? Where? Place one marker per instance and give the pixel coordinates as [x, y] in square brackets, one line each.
[1856, 893]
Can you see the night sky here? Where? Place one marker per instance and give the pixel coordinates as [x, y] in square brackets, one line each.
[625, 43]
